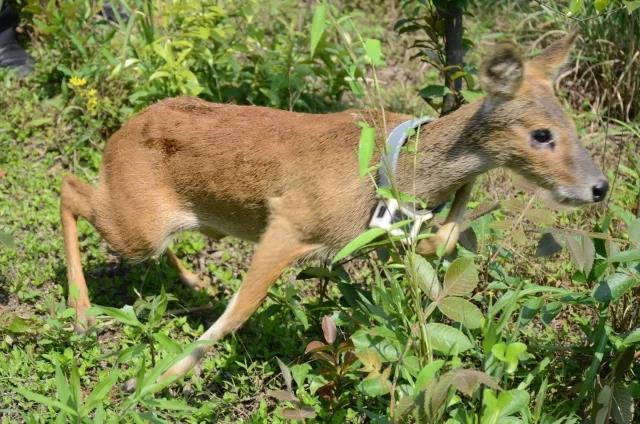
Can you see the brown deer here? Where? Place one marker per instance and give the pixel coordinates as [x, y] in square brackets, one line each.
[289, 181]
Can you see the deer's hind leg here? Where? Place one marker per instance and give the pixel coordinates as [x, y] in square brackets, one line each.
[75, 202]
[187, 277]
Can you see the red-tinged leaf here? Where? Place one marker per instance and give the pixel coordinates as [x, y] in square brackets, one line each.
[283, 395]
[2, 173]
[313, 346]
[324, 357]
[329, 329]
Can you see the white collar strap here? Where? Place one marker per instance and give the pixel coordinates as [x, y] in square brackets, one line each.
[389, 211]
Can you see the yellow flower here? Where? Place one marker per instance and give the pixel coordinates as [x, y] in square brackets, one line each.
[77, 82]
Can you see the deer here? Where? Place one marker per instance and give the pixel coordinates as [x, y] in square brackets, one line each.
[290, 183]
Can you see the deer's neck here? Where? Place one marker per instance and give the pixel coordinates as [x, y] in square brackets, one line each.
[450, 152]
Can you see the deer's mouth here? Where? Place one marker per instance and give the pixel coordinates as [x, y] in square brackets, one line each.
[568, 197]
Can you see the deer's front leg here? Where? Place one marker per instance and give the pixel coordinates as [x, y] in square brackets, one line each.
[449, 232]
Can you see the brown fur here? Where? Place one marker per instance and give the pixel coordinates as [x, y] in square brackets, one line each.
[290, 180]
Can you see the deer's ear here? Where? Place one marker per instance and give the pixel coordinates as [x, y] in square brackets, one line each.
[501, 73]
[551, 60]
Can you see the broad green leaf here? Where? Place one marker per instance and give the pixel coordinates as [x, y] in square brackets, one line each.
[509, 353]
[378, 385]
[626, 256]
[498, 409]
[622, 404]
[359, 242]
[575, 7]
[461, 278]
[374, 51]
[126, 315]
[600, 5]
[300, 372]
[461, 310]
[632, 6]
[604, 400]
[365, 149]
[447, 339]
[582, 251]
[19, 325]
[423, 274]
[615, 287]
[633, 337]
[318, 25]
[434, 91]
[426, 374]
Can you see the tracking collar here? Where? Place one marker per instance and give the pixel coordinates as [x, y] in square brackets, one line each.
[390, 211]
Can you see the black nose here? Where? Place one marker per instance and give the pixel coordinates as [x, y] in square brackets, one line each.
[600, 190]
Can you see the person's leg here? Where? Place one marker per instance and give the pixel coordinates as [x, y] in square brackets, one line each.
[12, 54]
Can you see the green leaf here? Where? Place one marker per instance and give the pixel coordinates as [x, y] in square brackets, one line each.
[299, 373]
[434, 91]
[626, 256]
[509, 353]
[426, 374]
[359, 242]
[461, 278]
[99, 392]
[471, 95]
[374, 51]
[318, 25]
[575, 7]
[62, 386]
[378, 385]
[600, 5]
[583, 252]
[634, 229]
[498, 409]
[126, 315]
[423, 274]
[7, 240]
[35, 397]
[19, 325]
[622, 404]
[615, 287]
[365, 149]
[461, 310]
[631, 6]
[446, 339]
[633, 337]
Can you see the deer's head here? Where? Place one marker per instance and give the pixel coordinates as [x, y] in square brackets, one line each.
[531, 132]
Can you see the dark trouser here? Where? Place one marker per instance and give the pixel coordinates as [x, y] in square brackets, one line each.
[12, 55]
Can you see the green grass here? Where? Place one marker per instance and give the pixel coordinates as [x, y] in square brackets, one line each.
[47, 130]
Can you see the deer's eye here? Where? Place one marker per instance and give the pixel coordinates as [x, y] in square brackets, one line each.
[542, 136]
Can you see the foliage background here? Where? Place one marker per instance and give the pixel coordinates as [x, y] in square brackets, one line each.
[93, 74]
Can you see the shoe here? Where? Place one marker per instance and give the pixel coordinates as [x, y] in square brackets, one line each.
[13, 55]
